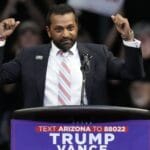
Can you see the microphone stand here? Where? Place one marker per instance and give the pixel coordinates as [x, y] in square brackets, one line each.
[85, 68]
[83, 86]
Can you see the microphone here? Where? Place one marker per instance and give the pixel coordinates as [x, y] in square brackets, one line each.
[85, 68]
[85, 65]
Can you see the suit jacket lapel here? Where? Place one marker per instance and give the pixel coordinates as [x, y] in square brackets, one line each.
[41, 60]
[89, 75]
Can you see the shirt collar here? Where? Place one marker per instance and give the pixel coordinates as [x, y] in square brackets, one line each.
[55, 50]
[74, 49]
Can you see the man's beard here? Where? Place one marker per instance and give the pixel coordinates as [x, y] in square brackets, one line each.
[64, 44]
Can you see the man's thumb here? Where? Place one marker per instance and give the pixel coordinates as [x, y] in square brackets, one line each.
[17, 23]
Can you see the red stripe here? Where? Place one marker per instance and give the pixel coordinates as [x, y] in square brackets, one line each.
[60, 100]
[65, 79]
[64, 91]
[66, 67]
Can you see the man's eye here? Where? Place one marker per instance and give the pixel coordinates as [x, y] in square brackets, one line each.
[70, 28]
[58, 30]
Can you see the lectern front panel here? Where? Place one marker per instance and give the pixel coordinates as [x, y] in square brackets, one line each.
[80, 128]
[121, 135]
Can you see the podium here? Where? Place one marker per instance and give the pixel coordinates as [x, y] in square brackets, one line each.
[80, 128]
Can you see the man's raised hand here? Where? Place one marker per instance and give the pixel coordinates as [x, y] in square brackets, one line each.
[7, 27]
[123, 27]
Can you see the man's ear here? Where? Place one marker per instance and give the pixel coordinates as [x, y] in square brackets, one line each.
[48, 31]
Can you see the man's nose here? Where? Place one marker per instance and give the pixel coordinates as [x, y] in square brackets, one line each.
[66, 33]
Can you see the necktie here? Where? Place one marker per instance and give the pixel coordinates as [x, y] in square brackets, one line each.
[64, 82]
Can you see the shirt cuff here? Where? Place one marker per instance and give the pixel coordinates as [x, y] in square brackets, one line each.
[2, 43]
[135, 43]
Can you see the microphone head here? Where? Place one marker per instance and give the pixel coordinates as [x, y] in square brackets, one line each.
[85, 66]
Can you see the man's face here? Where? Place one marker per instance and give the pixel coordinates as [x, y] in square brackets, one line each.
[63, 30]
[140, 94]
[28, 39]
[145, 46]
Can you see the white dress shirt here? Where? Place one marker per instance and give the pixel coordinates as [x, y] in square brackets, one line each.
[135, 43]
[2, 43]
[51, 84]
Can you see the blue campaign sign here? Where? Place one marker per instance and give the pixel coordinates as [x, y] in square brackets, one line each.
[121, 135]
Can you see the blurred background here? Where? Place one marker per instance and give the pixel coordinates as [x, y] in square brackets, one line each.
[95, 25]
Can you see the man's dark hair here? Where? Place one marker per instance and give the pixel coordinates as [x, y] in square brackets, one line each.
[60, 9]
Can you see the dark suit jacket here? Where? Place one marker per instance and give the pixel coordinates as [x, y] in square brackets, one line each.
[30, 68]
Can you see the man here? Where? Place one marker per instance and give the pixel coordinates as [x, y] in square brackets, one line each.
[28, 35]
[140, 90]
[140, 94]
[51, 74]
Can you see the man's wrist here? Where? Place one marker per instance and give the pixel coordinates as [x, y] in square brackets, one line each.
[2, 38]
[130, 36]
